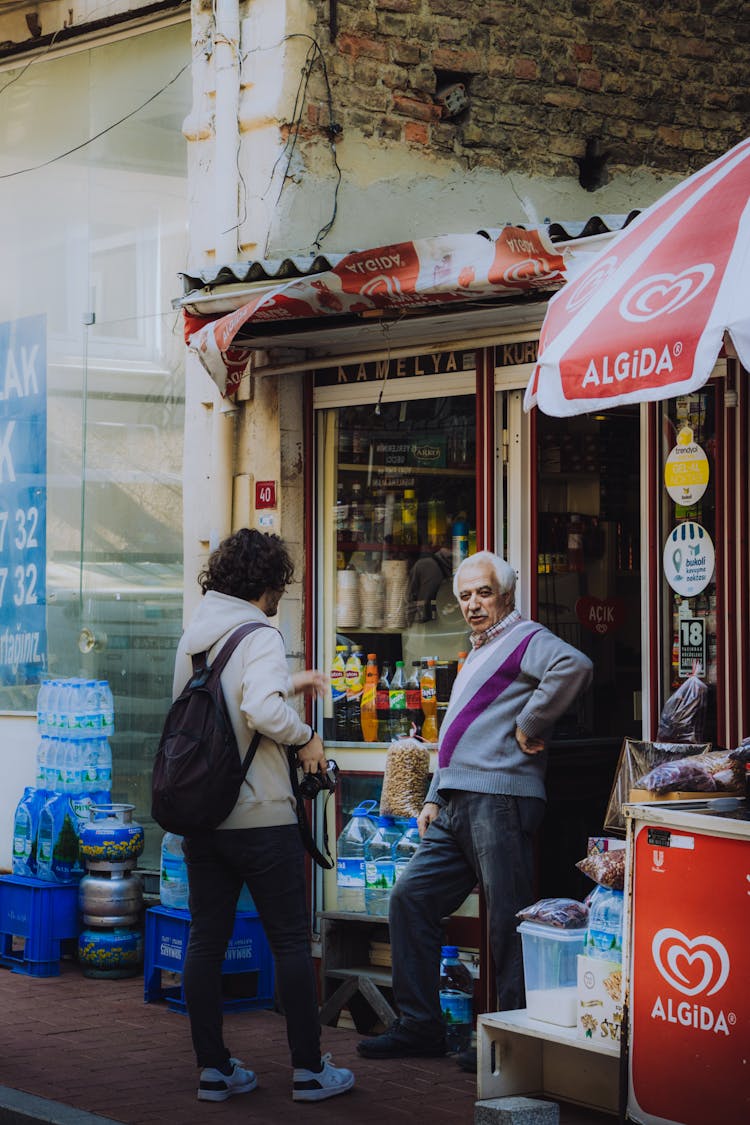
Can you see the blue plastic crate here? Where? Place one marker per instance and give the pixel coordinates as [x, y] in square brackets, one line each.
[247, 971]
[35, 917]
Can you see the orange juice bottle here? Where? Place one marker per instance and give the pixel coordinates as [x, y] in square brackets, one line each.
[461, 660]
[368, 713]
[428, 690]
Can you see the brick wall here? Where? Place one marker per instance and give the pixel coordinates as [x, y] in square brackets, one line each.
[663, 84]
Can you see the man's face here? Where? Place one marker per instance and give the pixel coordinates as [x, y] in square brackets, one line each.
[479, 596]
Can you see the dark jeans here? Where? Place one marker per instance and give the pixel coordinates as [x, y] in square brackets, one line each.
[271, 862]
[477, 837]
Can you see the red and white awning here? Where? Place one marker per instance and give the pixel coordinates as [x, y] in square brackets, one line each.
[437, 272]
[646, 319]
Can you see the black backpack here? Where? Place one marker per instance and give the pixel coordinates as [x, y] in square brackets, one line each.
[198, 772]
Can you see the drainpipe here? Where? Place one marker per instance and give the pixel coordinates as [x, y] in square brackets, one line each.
[226, 119]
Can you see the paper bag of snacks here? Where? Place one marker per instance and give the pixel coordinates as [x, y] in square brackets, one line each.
[406, 778]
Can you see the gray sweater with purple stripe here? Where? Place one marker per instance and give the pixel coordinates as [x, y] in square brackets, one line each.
[525, 677]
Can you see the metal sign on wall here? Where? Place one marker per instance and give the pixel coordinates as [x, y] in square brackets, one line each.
[23, 500]
[401, 367]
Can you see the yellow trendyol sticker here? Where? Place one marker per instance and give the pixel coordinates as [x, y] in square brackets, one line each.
[686, 470]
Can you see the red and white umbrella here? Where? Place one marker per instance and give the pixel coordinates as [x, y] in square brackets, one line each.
[646, 319]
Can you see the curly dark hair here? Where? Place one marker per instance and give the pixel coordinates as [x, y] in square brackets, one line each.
[247, 563]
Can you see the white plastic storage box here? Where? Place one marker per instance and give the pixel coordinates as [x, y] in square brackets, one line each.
[550, 966]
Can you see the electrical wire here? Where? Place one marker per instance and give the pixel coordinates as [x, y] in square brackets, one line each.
[101, 133]
[333, 129]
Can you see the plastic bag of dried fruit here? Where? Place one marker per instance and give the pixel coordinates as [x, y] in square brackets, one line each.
[406, 778]
[683, 715]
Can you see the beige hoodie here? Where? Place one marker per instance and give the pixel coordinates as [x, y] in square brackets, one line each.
[256, 684]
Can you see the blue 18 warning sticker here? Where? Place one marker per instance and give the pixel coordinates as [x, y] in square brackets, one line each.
[688, 559]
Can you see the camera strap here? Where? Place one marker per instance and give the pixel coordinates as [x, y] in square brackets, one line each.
[304, 827]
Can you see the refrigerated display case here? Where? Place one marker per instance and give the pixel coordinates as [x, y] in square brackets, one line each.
[689, 975]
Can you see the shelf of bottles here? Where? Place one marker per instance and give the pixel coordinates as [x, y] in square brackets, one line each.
[399, 503]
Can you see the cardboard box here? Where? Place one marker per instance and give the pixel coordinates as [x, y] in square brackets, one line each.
[600, 1000]
[639, 795]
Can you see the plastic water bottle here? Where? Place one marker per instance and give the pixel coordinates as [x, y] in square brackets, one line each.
[103, 765]
[42, 757]
[350, 858]
[456, 999]
[380, 865]
[42, 705]
[604, 933]
[406, 847]
[72, 772]
[25, 830]
[53, 766]
[173, 877]
[107, 708]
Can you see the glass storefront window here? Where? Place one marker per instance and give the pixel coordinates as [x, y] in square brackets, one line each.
[588, 562]
[94, 234]
[399, 503]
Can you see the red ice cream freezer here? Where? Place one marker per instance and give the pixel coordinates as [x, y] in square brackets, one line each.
[689, 963]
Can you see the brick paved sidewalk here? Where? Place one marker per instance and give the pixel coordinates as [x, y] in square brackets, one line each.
[94, 1045]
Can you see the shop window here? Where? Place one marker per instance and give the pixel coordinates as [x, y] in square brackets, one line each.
[398, 496]
[588, 561]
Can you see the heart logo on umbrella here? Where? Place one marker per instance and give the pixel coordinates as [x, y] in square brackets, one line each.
[677, 957]
[665, 292]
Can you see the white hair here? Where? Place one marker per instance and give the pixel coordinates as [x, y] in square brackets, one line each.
[504, 572]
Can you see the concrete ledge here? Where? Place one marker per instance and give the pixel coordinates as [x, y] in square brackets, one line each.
[18, 1108]
[516, 1111]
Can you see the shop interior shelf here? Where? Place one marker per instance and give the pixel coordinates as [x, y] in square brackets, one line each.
[518, 1055]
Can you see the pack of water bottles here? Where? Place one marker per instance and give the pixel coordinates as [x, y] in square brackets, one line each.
[75, 718]
[372, 853]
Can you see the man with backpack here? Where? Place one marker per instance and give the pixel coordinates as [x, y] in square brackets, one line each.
[259, 843]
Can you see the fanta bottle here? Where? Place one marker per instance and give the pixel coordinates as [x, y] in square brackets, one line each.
[368, 711]
[429, 703]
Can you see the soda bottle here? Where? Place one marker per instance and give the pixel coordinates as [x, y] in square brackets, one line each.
[456, 999]
[368, 709]
[397, 702]
[428, 688]
[382, 704]
[354, 675]
[338, 692]
[413, 697]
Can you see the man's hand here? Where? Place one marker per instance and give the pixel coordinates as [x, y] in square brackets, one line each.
[527, 744]
[426, 817]
[312, 756]
[309, 682]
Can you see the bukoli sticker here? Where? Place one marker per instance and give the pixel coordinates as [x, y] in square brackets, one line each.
[686, 470]
[688, 559]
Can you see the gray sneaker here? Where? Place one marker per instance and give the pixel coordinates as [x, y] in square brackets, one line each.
[217, 1087]
[309, 1086]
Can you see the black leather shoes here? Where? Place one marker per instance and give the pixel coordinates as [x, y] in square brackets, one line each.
[398, 1043]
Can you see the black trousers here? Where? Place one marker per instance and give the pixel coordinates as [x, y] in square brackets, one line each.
[477, 838]
[271, 862]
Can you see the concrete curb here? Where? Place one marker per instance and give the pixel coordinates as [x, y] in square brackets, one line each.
[18, 1108]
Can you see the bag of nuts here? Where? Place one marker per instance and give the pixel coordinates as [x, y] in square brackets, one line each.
[406, 778]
